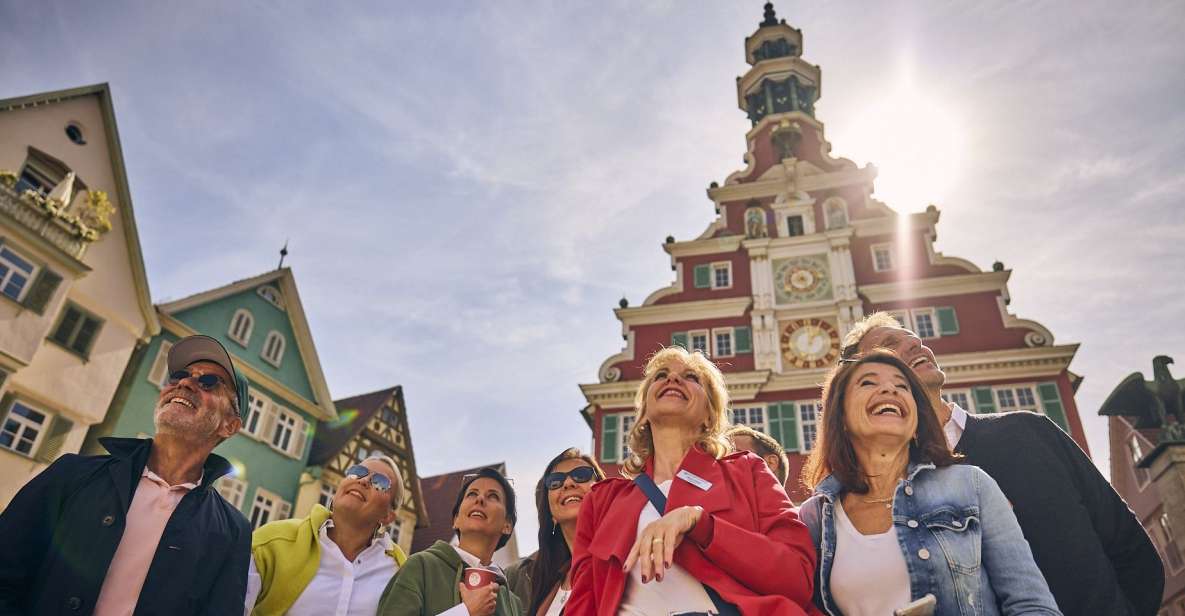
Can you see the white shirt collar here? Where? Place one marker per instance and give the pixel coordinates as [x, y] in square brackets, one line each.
[473, 561]
[954, 427]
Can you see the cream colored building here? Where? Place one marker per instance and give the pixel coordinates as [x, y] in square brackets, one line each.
[74, 301]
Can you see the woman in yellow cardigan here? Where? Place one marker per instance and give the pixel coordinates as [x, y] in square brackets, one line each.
[330, 559]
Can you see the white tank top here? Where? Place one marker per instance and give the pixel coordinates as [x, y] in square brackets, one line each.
[868, 574]
[677, 592]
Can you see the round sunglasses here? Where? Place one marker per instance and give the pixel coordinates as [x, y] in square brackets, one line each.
[580, 474]
[380, 481]
[206, 381]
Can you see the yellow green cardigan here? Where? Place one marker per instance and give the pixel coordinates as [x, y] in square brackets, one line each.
[287, 554]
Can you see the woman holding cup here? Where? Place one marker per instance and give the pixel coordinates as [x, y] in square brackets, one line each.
[461, 580]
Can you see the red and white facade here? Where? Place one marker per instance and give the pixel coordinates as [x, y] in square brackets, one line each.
[799, 250]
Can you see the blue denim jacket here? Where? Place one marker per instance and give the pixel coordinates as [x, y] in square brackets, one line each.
[960, 540]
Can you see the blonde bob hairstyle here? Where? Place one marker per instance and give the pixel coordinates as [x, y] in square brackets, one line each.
[712, 440]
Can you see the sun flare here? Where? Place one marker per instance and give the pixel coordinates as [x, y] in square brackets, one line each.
[913, 140]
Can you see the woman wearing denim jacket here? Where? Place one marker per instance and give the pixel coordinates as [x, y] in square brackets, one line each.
[895, 519]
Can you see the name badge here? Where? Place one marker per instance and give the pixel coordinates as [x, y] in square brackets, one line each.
[695, 480]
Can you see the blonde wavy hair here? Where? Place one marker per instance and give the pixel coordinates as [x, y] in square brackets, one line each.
[712, 440]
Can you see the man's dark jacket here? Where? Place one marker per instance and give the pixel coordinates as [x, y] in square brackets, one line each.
[61, 531]
[1094, 553]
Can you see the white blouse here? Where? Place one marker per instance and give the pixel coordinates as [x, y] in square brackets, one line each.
[868, 575]
[678, 591]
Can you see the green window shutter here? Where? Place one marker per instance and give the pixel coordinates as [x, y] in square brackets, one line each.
[51, 446]
[985, 402]
[948, 323]
[43, 289]
[703, 276]
[1052, 401]
[679, 339]
[783, 424]
[741, 338]
[609, 438]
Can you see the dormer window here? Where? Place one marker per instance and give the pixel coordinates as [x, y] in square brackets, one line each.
[273, 348]
[241, 325]
[42, 172]
[272, 295]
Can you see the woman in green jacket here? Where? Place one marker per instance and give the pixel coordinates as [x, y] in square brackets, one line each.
[429, 583]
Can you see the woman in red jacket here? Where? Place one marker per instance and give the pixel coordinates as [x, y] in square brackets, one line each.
[725, 541]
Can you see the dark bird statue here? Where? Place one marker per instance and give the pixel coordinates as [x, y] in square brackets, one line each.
[1149, 403]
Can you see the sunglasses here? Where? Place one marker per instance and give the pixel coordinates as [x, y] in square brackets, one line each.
[206, 381]
[380, 481]
[580, 474]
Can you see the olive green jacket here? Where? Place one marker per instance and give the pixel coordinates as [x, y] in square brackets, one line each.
[428, 584]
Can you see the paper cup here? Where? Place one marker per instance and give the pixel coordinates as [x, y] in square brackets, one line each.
[477, 577]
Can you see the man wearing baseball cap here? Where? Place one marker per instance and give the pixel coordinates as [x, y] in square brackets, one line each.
[140, 530]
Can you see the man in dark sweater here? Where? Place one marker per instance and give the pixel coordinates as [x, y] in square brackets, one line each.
[1094, 553]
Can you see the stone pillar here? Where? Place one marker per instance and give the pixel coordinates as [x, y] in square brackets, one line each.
[1167, 466]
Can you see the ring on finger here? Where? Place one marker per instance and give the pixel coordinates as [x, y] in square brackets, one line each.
[656, 540]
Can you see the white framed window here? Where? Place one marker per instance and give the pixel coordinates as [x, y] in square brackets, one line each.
[752, 416]
[882, 257]
[257, 409]
[284, 432]
[1171, 553]
[22, 428]
[325, 498]
[627, 424]
[924, 323]
[961, 397]
[1016, 398]
[902, 317]
[158, 374]
[241, 325]
[1136, 449]
[722, 275]
[809, 412]
[722, 342]
[16, 270]
[272, 295]
[268, 507]
[795, 226]
[698, 339]
[232, 489]
[273, 348]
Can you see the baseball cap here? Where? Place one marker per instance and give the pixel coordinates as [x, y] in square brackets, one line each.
[204, 348]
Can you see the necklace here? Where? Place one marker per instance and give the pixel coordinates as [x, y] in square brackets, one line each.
[888, 502]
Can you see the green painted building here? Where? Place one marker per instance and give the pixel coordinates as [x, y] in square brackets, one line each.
[262, 324]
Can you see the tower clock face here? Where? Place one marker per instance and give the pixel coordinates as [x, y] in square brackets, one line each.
[801, 279]
[810, 343]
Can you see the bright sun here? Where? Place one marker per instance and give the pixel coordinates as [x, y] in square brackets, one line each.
[915, 143]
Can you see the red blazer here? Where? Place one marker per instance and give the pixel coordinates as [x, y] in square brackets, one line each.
[749, 545]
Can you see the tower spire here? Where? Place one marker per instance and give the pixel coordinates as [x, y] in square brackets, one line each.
[771, 18]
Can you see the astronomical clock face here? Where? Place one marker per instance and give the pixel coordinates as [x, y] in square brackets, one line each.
[802, 279]
[810, 343]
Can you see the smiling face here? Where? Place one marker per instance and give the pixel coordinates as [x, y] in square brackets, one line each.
[483, 510]
[676, 396]
[910, 349]
[187, 409]
[359, 500]
[565, 502]
[878, 404]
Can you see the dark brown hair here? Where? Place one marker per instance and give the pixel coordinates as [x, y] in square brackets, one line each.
[554, 558]
[507, 490]
[833, 453]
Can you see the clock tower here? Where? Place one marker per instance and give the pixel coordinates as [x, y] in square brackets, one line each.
[800, 250]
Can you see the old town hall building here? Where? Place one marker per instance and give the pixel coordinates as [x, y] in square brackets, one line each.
[799, 250]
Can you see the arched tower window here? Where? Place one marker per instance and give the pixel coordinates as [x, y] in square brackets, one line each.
[273, 348]
[241, 325]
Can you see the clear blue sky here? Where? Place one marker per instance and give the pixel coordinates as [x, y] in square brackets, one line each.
[468, 188]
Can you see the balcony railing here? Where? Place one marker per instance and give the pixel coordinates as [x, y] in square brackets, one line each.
[52, 220]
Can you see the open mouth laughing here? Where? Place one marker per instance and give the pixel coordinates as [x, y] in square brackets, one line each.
[183, 402]
[574, 498]
[887, 409]
[672, 392]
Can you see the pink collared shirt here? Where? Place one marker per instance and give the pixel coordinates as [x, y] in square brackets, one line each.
[152, 506]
